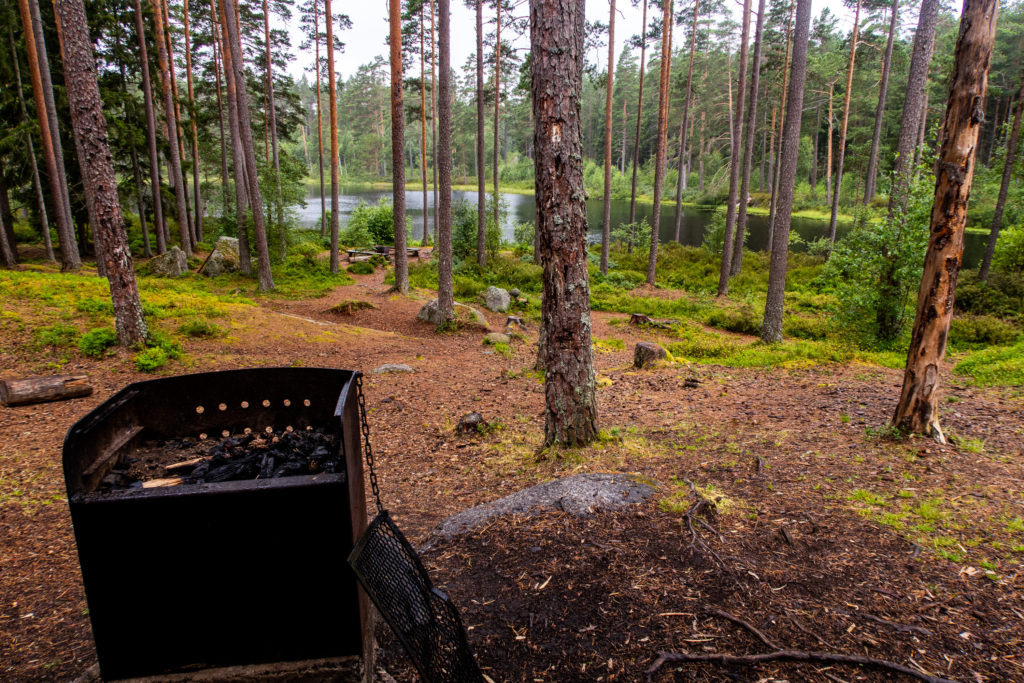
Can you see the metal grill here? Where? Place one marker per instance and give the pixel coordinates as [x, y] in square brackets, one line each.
[423, 618]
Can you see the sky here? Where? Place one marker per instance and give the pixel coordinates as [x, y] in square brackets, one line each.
[367, 37]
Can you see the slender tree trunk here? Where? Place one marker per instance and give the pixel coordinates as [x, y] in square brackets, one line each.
[636, 139]
[53, 157]
[684, 125]
[622, 150]
[333, 116]
[8, 257]
[237, 154]
[36, 183]
[174, 160]
[771, 329]
[319, 122]
[917, 410]
[916, 80]
[196, 195]
[1004, 186]
[771, 155]
[734, 156]
[659, 144]
[556, 37]
[134, 153]
[224, 178]
[497, 104]
[272, 124]
[606, 217]
[397, 142]
[99, 181]
[921, 130]
[423, 127]
[445, 285]
[764, 149]
[266, 280]
[773, 210]
[814, 156]
[481, 225]
[843, 128]
[433, 114]
[748, 146]
[177, 120]
[828, 152]
[871, 178]
[993, 133]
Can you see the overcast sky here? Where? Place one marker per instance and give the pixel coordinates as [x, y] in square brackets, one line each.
[367, 37]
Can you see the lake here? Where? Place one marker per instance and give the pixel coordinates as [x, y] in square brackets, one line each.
[521, 208]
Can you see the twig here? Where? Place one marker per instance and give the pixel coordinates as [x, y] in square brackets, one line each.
[745, 624]
[803, 628]
[793, 656]
[903, 628]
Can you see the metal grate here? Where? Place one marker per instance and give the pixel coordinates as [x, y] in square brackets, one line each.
[422, 617]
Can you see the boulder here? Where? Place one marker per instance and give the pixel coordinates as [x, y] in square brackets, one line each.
[171, 263]
[497, 338]
[431, 313]
[647, 353]
[223, 258]
[497, 299]
[471, 423]
[392, 367]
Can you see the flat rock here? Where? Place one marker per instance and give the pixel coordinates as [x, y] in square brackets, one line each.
[579, 495]
[392, 367]
[497, 338]
[431, 313]
[647, 353]
[223, 259]
[171, 263]
[497, 299]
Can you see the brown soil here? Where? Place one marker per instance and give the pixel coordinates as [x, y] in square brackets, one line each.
[797, 547]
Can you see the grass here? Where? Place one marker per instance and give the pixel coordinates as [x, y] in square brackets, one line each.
[1002, 365]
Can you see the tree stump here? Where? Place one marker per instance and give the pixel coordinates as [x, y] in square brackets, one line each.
[647, 353]
[18, 392]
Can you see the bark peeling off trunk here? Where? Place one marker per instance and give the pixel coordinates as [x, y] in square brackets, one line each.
[556, 34]
[917, 408]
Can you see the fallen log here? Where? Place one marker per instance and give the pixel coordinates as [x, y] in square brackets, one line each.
[18, 392]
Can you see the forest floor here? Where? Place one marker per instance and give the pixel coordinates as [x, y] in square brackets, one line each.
[825, 531]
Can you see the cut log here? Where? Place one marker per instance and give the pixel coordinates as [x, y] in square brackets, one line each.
[18, 392]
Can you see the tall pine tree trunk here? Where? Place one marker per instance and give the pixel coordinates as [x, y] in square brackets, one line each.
[196, 195]
[319, 122]
[445, 284]
[1004, 186]
[841, 159]
[734, 157]
[748, 146]
[636, 139]
[481, 218]
[177, 119]
[95, 160]
[684, 126]
[773, 207]
[272, 123]
[497, 104]
[871, 178]
[433, 113]
[789, 147]
[397, 143]
[606, 216]
[423, 127]
[332, 93]
[917, 410]
[662, 133]
[224, 178]
[556, 38]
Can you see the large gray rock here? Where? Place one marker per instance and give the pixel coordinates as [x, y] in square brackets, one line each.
[223, 258]
[647, 353]
[431, 313]
[578, 495]
[497, 299]
[171, 263]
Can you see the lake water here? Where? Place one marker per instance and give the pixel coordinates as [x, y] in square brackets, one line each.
[521, 208]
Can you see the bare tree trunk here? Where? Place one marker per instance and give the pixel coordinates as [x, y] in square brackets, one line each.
[53, 157]
[622, 150]
[215, 40]
[764, 148]
[497, 103]
[771, 153]
[773, 210]
[814, 155]
[36, 183]
[99, 181]
[556, 37]
[684, 125]
[659, 144]
[397, 142]
[481, 225]
[828, 153]
[883, 88]
[917, 410]
[921, 130]
[734, 157]
[433, 114]
[196, 196]
[445, 285]
[177, 120]
[272, 124]
[174, 160]
[606, 217]
[237, 156]
[748, 146]
[771, 329]
[319, 122]
[266, 280]
[636, 140]
[423, 127]
[332, 93]
[916, 80]
[7, 257]
[1004, 186]
[134, 153]
[842, 129]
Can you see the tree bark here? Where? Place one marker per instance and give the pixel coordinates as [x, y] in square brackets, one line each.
[134, 153]
[606, 216]
[272, 124]
[196, 195]
[96, 162]
[771, 329]
[481, 199]
[736, 131]
[917, 410]
[497, 104]
[177, 119]
[556, 38]
[7, 257]
[445, 284]
[1004, 186]
[332, 93]
[264, 276]
[684, 126]
[397, 143]
[19, 392]
[916, 81]
[154, 161]
[636, 140]
[871, 177]
[662, 133]
[814, 154]
[748, 146]
[921, 130]
[842, 129]
[53, 157]
[423, 127]
[773, 209]
[319, 122]
[433, 112]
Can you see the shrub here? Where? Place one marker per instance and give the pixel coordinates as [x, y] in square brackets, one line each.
[465, 228]
[95, 343]
[1009, 256]
[977, 331]
[1001, 296]
[744, 319]
[55, 336]
[361, 268]
[804, 328]
[638, 233]
[199, 329]
[369, 225]
[714, 238]
[159, 340]
[150, 360]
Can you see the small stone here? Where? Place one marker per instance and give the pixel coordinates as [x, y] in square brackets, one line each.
[514, 293]
[171, 263]
[471, 423]
[497, 338]
[392, 367]
[497, 299]
[647, 353]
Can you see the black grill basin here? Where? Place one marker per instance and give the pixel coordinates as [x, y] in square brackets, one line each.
[219, 574]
